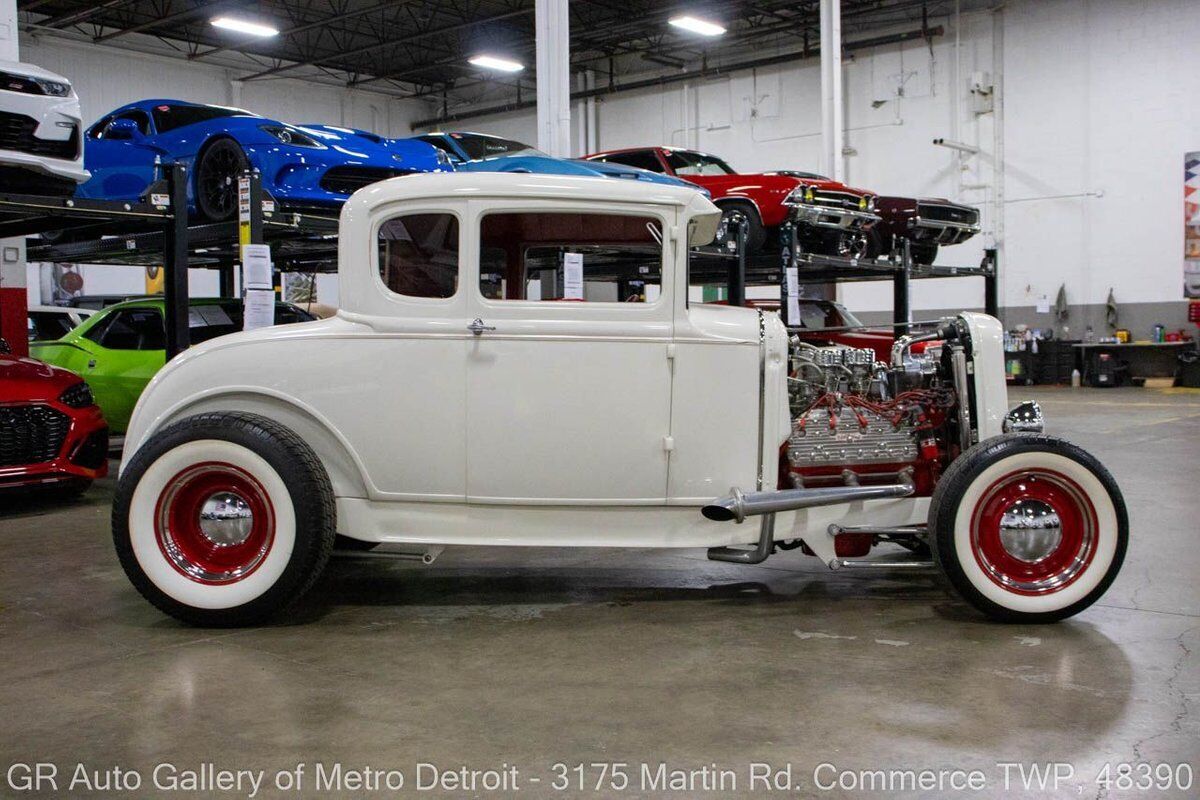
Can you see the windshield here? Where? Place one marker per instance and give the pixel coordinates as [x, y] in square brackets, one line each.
[477, 146]
[170, 117]
[686, 162]
[819, 314]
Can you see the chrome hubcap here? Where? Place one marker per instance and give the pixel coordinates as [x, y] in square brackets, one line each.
[1030, 530]
[226, 519]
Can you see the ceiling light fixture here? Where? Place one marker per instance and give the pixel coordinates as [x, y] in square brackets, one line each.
[493, 62]
[244, 26]
[697, 25]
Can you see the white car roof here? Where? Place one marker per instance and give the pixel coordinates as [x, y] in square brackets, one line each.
[524, 185]
[31, 71]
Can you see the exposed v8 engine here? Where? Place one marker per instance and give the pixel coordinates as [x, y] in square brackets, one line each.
[856, 420]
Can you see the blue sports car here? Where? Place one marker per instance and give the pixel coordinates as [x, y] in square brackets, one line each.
[481, 152]
[301, 165]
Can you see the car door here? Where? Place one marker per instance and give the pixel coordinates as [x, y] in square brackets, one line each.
[123, 352]
[569, 377]
[399, 391]
[121, 168]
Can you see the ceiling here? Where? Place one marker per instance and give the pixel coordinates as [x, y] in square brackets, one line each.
[419, 48]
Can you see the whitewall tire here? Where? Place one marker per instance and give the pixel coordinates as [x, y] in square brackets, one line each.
[223, 519]
[1028, 528]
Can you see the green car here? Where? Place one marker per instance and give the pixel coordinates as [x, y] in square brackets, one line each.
[118, 350]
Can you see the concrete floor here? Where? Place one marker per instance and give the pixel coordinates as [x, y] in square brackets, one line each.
[528, 658]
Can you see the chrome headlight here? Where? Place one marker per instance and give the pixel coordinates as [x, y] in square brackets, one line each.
[53, 88]
[870, 203]
[292, 136]
[801, 194]
[78, 395]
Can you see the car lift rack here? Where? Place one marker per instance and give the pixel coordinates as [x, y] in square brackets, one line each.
[156, 231]
[735, 269]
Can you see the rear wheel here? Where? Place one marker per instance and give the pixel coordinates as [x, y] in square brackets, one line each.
[224, 519]
[217, 173]
[1028, 528]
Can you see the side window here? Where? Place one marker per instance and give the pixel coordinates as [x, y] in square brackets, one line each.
[418, 255]
[440, 144]
[133, 329]
[643, 159]
[140, 117]
[598, 258]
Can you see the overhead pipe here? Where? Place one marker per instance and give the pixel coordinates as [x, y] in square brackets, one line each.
[689, 75]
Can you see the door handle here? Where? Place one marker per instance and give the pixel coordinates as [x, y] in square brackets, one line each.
[477, 327]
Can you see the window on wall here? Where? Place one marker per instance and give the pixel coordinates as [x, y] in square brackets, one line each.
[595, 258]
[418, 255]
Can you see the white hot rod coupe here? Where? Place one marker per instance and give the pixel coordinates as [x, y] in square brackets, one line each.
[516, 362]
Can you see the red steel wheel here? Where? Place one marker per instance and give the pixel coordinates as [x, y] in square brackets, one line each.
[1028, 528]
[215, 523]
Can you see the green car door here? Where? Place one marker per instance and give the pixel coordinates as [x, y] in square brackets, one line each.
[117, 352]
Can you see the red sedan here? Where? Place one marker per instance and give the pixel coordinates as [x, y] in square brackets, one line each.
[52, 433]
[832, 217]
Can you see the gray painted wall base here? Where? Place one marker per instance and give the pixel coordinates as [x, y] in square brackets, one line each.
[1139, 318]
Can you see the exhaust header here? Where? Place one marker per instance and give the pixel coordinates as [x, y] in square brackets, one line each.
[739, 505]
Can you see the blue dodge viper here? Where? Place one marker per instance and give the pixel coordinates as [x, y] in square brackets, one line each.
[301, 165]
[481, 152]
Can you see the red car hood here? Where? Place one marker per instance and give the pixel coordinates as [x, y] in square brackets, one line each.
[24, 379]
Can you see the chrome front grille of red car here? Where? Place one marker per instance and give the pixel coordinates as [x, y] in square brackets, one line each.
[940, 213]
[17, 133]
[836, 199]
[31, 434]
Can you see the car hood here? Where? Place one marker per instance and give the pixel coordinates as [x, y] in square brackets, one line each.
[410, 153]
[30, 379]
[31, 71]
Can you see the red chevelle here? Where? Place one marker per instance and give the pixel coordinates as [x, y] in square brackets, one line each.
[52, 433]
[833, 218]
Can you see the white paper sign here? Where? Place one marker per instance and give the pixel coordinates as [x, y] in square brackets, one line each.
[572, 276]
[1043, 305]
[793, 296]
[259, 310]
[256, 266]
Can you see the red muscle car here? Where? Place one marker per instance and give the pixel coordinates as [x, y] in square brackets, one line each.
[52, 433]
[832, 218]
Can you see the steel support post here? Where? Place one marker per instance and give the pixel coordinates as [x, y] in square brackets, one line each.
[175, 263]
[553, 32]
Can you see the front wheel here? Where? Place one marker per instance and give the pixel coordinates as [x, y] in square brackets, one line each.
[224, 519]
[1028, 528]
[217, 173]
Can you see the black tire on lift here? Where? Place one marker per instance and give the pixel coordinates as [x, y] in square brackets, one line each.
[217, 172]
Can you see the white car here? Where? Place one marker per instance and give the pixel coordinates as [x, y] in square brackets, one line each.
[47, 323]
[41, 132]
[515, 362]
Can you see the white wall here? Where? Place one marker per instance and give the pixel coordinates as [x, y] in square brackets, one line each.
[1097, 99]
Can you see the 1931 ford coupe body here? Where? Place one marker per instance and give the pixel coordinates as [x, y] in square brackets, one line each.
[516, 362]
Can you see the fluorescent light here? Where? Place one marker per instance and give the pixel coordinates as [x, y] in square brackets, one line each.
[492, 62]
[697, 25]
[244, 26]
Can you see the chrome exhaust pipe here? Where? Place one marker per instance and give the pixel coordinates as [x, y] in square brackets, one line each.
[739, 505]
